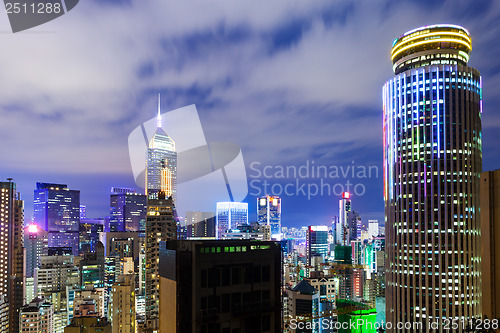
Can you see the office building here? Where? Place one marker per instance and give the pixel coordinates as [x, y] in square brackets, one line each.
[122, 305]
[127, 210]
[229, 215]
[36, 245]
[220, 286]
[78, 296]
[432, 165]
[92, 268]
[317, 242]
[269, 213]
[490, 243]
[372, 228]
[161, 163]
[37, 316]
[89, 235]
[160, 226]
[57, 211]
[11, 256]
[343, 231]
[55, 273]
[200, 224]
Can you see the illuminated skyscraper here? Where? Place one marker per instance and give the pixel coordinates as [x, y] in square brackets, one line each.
[57, 211]
[35, 244]
[343, 229]
[127, 210]
[161, 163]
[317, 242]
[160, 226]
[432, 165]
[11, 257]
[269, 213]
[229, 215]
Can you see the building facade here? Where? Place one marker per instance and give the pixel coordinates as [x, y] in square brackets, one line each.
[37, 317]
[11, 257]
[122, 305]
[432, 165]
[161, 163]
[160, 226]
[317, 242]
[57, 211]
[229, 215]
[127, 210]
[220, 286]
[490, 241]
[269, 213]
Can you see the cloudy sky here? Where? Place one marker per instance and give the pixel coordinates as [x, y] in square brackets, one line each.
[288, 81]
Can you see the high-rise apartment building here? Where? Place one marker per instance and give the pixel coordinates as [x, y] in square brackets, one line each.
[57, 211]
[269, 213]
[432, 165]
[122, 305]
[229, 215]
[490, 243]
[161, 163]
[127, 210]
[160, 226]
[37, 316]
[11, 257]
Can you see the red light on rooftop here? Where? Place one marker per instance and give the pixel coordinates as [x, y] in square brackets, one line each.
[346, 195]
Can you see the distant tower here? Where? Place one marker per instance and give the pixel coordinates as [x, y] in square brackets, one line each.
[57, 211]
[229, 215]
[269, 213]
[127, 210]
[432, 167]
[343, 228]
[161, 163]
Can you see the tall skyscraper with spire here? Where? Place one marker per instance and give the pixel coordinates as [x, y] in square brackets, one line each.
[432, 169]
[161, 163]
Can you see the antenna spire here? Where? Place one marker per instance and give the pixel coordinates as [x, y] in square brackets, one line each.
[158, 120]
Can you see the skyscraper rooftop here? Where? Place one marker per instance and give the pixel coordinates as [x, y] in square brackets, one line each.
[431, 45]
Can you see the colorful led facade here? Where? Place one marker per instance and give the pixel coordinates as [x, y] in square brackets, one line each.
[432, 165]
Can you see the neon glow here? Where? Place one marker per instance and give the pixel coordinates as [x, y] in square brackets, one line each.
[33, 228]
[451, 40]
[439, 33]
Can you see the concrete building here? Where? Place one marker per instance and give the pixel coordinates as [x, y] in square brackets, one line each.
[122, 305]
[37, 317]
[160, 226]
[220, 286]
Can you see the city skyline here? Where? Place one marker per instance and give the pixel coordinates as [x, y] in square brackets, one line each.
[86, 125]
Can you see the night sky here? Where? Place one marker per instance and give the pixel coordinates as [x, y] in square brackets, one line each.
[290, 82]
